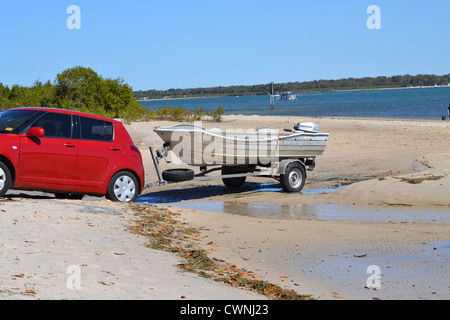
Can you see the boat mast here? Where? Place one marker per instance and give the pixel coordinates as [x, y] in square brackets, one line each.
[272, 97]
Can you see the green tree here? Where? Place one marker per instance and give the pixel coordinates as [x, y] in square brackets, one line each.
[75, 86]
[4, 96]
[83, 89]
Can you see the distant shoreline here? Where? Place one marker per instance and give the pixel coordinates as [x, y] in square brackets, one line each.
[300, 92]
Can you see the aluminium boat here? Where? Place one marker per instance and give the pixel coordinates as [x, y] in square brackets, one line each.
[198, 146]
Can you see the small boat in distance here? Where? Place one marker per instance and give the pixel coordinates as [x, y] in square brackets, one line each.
[285, 96]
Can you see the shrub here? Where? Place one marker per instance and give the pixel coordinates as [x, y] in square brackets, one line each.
[181, 114]
[216, 114]
[198, 114]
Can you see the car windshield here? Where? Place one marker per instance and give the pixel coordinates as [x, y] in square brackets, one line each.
[10, 120]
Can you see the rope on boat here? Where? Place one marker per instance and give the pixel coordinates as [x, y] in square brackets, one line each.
[276, 148]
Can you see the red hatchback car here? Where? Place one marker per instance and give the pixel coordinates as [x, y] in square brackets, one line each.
[69, 154]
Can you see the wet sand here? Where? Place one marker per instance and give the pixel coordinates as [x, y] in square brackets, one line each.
[330, 259]
[324, 243]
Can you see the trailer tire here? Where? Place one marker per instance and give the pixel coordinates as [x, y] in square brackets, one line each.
[178, 175]
[232, 183]
[293, 179]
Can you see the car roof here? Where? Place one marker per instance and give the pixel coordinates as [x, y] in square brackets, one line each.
[56, 110]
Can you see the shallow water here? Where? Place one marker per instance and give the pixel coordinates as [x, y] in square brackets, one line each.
[411, 271]
[175, 196]
[415, 271]
[328, 212]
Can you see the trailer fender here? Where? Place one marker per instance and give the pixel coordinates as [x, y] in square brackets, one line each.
[284, 163]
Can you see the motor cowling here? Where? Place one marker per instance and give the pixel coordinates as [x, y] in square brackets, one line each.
[307, 127]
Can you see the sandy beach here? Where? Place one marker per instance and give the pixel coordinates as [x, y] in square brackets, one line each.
[319, 243]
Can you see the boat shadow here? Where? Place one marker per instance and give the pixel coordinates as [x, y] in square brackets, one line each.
[203, 192]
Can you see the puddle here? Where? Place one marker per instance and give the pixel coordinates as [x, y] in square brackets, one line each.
[309, 212]
[317, 191]
[193, 193]
[277, 188]
[317, 212]
[172, 196]
[191, 199]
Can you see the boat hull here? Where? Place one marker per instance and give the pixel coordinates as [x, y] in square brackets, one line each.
[199, 147]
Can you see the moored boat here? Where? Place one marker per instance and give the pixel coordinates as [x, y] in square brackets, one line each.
[286, 96]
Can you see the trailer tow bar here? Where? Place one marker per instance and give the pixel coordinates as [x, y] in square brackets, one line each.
[157, 155]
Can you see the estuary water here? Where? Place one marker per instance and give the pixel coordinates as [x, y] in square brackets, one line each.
[407, 103]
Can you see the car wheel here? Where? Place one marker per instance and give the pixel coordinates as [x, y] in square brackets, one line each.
[5, 179]
[123, 187]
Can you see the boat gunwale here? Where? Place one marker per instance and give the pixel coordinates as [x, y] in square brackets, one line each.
[279, 136]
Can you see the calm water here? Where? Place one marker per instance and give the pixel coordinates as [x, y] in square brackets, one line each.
[421, 103]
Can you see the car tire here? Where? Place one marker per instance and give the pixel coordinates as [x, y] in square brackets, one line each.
[178, 175]
[5, 179]
[123, 187]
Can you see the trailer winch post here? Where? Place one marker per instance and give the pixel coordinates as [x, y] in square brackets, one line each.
[156, 163]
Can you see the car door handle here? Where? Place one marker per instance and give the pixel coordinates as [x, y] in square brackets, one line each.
[69, 145]
[114, 148]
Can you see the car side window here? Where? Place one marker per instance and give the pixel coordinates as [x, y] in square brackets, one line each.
[56, 125]
[98, 130]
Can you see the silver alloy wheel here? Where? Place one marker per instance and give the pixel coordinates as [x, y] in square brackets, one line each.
[2, 178]
[124, 188]
[295, 178]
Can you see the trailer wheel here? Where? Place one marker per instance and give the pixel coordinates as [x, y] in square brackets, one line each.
[232, 183]
[293, 178]
[178, 175]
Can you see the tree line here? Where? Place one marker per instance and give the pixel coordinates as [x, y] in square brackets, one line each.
[80, 89]
[308, 86]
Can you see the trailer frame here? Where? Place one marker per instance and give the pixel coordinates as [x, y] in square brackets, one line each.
[277, 170]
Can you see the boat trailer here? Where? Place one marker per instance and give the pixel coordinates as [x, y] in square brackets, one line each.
[290, 172]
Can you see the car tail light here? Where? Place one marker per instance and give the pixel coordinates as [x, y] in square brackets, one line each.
[135, 149]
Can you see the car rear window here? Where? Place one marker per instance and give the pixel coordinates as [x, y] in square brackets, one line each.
[98, 130]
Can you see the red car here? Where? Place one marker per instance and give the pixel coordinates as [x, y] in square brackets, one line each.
[69, 154]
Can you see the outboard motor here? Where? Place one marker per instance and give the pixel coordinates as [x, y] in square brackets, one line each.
[307, 127]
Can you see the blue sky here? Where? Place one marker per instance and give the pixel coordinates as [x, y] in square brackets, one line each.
[155, 44]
